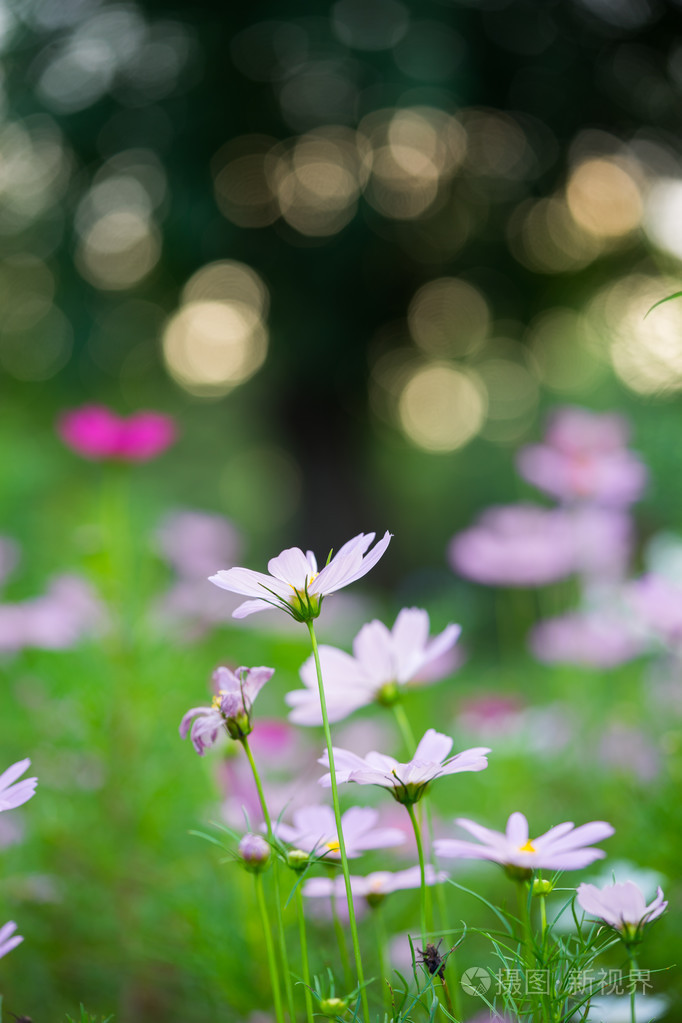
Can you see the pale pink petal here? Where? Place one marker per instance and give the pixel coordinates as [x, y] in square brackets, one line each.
[433, 747]
[373, 649]
[249, 583]
[517, 829]
[250, 607]
[410, 635]
[291, 566]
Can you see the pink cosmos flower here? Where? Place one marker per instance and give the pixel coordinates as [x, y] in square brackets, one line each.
[193, 541]
[516, 545]
[231, 707]
[56, 620]
[294, 584]
[621, 906]
[406, 782]
[8, 939]
[657, 602]
[373, 887]
[563, 847]
[600, 639]
[584, 458]
[384, 662]
[97, 433]
[314, 831]
[12, 792]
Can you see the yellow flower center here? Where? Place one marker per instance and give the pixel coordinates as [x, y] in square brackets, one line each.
[332, 846]
[527, 847]
[308, 581]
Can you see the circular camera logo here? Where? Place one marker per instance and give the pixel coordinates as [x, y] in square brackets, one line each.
[476, 981]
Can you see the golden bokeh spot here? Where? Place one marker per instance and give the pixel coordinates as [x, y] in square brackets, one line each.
[604, 198]
[442, 407]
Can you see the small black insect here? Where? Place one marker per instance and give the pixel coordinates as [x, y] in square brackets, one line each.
[432, 959]
[21, 1019]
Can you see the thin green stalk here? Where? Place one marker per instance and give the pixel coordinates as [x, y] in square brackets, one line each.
[380, 930]
[341, 942]
[337, 817]
[405, 727]
[281, 937]
[633, 969]
[304, 955]
[269, 949]
[422, 871]
[256, 777]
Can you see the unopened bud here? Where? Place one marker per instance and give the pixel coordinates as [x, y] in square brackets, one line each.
[298, 860]
[255, 853]
[541, 887]
[333, 1006]
[239, 726]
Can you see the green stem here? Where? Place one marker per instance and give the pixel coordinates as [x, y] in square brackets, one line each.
[341, 942]
[337, 817]
[281, 937]
[405, 727]
[380, 929]
[633, 968]
[256, 777]
[422, 870]
[304, 955]
[269, 949]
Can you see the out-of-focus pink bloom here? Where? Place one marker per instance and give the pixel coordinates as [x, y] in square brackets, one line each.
[194, 541]
[408, 782]
[56, 620]
[597, 639]
[584, 458]
[231, 707]
[563, 847]
[374, 887]
[287, 765]
[603, 540]
[384, 662]
[657, 603]
[314, 831]
[621, 906]
[14, 793]
[99, 434]
[493, 713]
[516, 545]
[628, 750]
[8, 939]
[513, 728]
[294, 584]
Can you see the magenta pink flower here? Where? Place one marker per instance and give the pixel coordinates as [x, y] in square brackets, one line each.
[14, 793]
[408, 782]
[584, 458]
[621, 906]
[384, 662]
[8, 939]
[563, 847]
[295, 585]
[97, 433]
[314, 831]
